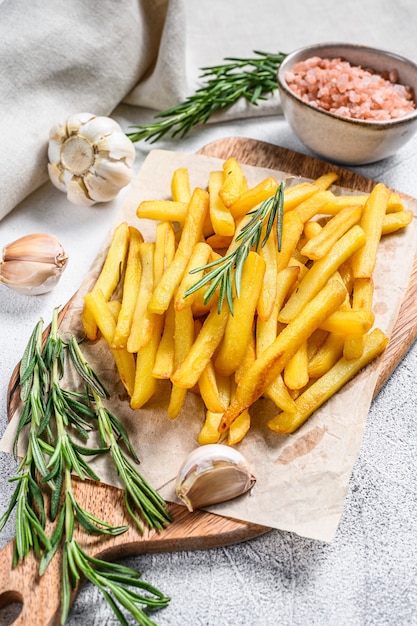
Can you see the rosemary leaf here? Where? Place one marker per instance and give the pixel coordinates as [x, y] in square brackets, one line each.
[253, 79]
[226, 272]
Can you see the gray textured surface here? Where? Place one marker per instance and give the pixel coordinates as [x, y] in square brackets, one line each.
[367, 575]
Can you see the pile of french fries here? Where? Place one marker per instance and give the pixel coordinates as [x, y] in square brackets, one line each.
[301, 328]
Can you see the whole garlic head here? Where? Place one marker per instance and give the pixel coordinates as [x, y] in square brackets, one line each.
[90, 158]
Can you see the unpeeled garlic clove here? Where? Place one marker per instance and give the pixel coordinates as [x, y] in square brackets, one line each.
[213, 473]
[90, 158]
[33, 264]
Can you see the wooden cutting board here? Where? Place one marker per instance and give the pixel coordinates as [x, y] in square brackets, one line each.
[40, 597]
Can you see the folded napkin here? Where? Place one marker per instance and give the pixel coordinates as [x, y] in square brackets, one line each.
[63, 58]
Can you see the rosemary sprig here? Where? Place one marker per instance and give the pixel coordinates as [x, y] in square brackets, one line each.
[52, 414]
[226, 272]
[253, 79]
[139, 495]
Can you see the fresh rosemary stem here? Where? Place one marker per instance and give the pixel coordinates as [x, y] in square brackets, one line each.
[253, 79]
[225, 273]
[51, 459]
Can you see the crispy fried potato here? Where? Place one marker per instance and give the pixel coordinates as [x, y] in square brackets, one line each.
[143, 320]
[234, 182]
[164, 358]
[202, 350]
[240, 325]
[103, 317]
[145, 382]
[363, 261]
[329, 384]
[322, 270]
[165, 210]
[191, 234]
[220, 215]
[131, 285]
[273, 360]
[392, 222]
[180, 185]
[254, 196]
[183, 340]
[321, 244]
[199, 258]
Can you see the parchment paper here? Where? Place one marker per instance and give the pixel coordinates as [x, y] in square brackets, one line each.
[302, 479]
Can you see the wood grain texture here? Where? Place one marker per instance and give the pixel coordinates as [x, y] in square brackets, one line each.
[188, 531]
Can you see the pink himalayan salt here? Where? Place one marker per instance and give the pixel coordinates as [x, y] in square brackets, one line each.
[338, 87]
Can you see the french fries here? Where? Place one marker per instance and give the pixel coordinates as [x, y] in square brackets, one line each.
[301, 325]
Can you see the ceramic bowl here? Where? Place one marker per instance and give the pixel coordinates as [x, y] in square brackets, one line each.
[342, 140]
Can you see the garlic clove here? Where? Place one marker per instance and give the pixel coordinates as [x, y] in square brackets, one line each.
[74, 122]
[99, 188]
[117, 148]
[77, 192]
[97, 128]
[213, 473]
[116, 172]
[33, 264]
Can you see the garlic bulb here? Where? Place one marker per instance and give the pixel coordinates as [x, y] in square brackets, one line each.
[213, 473]
[33, 264]
[90, 158]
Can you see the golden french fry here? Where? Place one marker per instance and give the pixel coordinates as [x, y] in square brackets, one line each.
[313, 205]
[293, 196]
[202, 350]
[207, 384]
[322, 270]
[165, 210]
[239, 428]
[191, 234]
[311, 229]
[110, 273]
[329, 384]
[278, 392]
[164, 358]
[324, 181]
[349, 322]
[248, 358]
[254, 196]
[104, 318]
[220, 215]
[114, 308]
[114, 263]
[183, 340]
[199, 258]
[180, 185]
[145, 382]
[143, 321]
[395, 203]
[320, 245]
[164, 252]
[130, 290]
[268, 293]
[392, 222]
[273, 360]
[296, 370]
[234, 181]
[362, 300]
[209, 432]
[240, 325]
[338, 203]
[326, 356]
[363, 261]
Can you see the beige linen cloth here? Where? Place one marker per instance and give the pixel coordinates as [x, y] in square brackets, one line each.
[61, 58]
